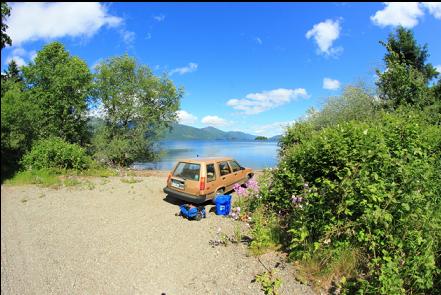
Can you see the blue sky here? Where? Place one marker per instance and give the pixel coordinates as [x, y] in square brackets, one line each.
[253, 67]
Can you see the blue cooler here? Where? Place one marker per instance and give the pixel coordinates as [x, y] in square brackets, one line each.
[223, 204]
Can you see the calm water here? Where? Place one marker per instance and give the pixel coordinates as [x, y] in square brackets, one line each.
[253, 154]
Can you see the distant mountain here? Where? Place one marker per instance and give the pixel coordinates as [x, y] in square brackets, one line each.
[275, 138]
[184, 132]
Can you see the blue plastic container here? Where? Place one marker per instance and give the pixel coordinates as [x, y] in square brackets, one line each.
[223, 204]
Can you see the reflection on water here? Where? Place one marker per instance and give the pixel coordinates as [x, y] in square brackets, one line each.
[253, 154]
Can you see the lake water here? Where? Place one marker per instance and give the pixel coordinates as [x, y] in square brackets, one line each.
[253, 154]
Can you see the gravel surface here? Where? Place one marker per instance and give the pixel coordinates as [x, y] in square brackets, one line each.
[121, 238]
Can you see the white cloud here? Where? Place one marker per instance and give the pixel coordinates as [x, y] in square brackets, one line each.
[35, 21]
[438, 68]
[259, 41]
[255, 103]
[214, 121]
[128, 37]
[20, 55]
[331, 84]
[325, 33]
[404, 14]
[159, 18]
[272, 129]
[191, 67]
[434, 8]
[186, 118]
[18, 60]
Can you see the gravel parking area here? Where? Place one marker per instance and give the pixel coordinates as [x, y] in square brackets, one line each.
[112, 237]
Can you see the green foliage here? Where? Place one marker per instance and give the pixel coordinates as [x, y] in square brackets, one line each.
[402, 48]
[265, 231]
[373, 185]
[18, 128]
[261, 138]
[56, 153]
[269, 282]
[403, 85]
[406, 78]
[355, 103]
[137, 107]
[59, 85]
[6, 12]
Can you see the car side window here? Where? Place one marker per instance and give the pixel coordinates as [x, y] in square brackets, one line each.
[234, 166]
[224, 168]
[211, 174]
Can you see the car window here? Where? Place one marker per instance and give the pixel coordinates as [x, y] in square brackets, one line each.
[234, 166]
[187, 171]
[211, 174]
[224, 168]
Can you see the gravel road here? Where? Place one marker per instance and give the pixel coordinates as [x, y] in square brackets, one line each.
[111, 237]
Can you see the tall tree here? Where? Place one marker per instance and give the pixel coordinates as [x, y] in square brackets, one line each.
[6, 12]
[407, 75]
[136, 105]
[60, 84]
[402, 47]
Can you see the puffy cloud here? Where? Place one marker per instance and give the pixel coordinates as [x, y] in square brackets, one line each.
[214, 121]
[331, 84]
[18, 60]
[434, 8]
[404, 14]
[191, 67]
[255, 103]
[186, 118]
[324, 34]
[35, 21]
[20, 55]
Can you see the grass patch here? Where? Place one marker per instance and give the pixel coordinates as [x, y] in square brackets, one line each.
[24, 200]
[130, 180]
[43, 177]
[71, 182]
[265, 231]
[99, 172]
[328, 268]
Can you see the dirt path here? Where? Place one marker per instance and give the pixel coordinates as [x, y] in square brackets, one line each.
[119, 238]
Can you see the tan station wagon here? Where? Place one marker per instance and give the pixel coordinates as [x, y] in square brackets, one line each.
[201, 179]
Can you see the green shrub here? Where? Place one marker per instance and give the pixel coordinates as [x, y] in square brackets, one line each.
[265, 231]
[56, 153]
[372, 186]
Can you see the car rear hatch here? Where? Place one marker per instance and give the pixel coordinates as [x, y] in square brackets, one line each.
[185, 178]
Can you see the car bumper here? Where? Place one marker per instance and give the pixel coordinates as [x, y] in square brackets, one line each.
[184, 196]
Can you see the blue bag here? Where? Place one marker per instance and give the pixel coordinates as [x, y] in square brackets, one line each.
[192, 213]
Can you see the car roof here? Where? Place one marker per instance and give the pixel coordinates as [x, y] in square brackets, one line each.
[205, 159]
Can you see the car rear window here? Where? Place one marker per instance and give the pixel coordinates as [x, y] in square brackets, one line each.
[187, 171]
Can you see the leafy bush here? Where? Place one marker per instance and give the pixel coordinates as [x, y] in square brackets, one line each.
[372, 186]
[56, 153]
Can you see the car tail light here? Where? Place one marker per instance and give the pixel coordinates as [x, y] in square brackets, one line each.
[168, 177]
[202, 184]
